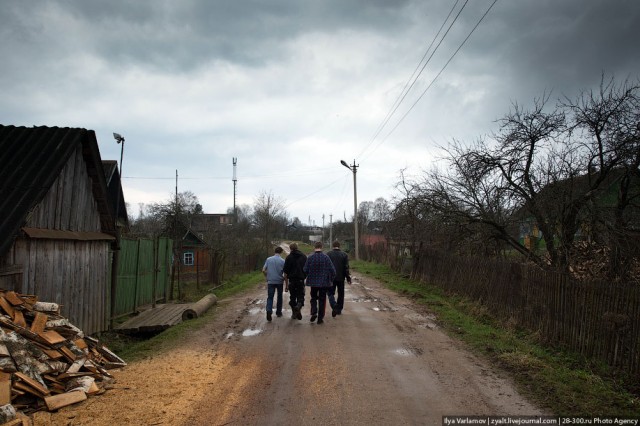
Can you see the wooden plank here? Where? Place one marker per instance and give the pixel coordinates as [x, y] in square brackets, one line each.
[39, 322]
[76, 366]
[19, 318]
[157, 319]
[13, 298]
[5, 391]
[56, 402]
[31, 382]
[22, 386]
[68, 353]
[52, 337]
[81, 344]
[7, 307]
[53, 353]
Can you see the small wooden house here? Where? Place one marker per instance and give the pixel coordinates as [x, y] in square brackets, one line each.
[56, 224]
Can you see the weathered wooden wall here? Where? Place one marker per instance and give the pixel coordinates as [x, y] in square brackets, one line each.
[69, 205]
[74, 274]
[73, 271]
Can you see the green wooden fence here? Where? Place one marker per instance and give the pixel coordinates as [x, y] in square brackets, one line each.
[144, 268]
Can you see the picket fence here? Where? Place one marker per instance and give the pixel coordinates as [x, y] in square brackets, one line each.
[598, 319]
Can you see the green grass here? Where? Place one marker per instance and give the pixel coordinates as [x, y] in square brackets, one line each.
[134, 348]
[560, 381]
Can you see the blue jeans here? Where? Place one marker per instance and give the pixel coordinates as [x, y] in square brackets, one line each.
[271, 290]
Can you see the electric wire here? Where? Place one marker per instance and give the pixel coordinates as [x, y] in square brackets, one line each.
[313, 193]
[405, 91]
[434, 79]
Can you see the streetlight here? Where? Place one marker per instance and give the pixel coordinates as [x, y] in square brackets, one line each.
[354, 169]
[116, 255]
[119, 139]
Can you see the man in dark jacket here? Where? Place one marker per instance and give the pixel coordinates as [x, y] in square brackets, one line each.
[340, 261]
[294, 279]
[320, 273]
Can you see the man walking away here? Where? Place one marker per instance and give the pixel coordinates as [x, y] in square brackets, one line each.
[320, 273]
[340, 261]
[294, 279]
[272, 269]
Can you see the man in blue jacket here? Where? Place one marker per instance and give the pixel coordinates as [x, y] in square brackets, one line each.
[272, 269]
[320, 273]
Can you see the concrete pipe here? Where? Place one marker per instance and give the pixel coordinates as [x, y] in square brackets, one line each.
[200, 307]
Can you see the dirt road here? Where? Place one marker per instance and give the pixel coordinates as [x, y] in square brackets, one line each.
[383, 361]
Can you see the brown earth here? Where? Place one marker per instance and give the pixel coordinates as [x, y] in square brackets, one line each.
[383, 361]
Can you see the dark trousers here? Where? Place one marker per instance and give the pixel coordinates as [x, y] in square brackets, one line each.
[296, 293]
[339, 285]
[319, 297]
[272, 290]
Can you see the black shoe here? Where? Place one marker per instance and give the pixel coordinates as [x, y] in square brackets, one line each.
[339, 312]
[298, 311]
[294, 316]
[268, 316]
[278, 314]
[334, 312]
[313, 317]
[320, 321]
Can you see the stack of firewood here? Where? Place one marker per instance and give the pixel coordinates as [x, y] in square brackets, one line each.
[45, 361]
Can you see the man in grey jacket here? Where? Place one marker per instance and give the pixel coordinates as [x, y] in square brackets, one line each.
[272, 270]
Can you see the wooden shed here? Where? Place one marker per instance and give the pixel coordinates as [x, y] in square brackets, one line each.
[56, 223]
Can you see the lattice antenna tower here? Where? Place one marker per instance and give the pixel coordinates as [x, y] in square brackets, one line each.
[235, 182]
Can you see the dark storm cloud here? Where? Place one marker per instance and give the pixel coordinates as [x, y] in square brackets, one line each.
[180, 36]
[225, 78]
[560, 46]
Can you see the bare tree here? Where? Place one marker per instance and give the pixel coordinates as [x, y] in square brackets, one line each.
[268, 217]
[609, 122]
[551, 165]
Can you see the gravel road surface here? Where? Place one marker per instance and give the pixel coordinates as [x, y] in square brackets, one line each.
[383, 361]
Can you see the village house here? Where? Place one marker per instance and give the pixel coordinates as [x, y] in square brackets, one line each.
[57, 228]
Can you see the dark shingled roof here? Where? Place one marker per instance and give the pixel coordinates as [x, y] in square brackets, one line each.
[32, 158]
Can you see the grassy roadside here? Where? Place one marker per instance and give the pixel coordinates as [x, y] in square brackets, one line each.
[562, 382]
[132, 348]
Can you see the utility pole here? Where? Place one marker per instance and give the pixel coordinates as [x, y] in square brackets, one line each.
[235, 181]
[354, 169]
[330, 229]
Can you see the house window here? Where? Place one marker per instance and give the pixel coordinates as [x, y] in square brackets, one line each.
[188, 258]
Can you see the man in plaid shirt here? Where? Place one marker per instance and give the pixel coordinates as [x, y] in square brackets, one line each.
[320, 273]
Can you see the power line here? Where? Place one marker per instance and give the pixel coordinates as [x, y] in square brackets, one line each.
[313, 193]
[405, 91]
[266, 176]
[436, 77]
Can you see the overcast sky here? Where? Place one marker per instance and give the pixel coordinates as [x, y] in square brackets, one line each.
[291, 87]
